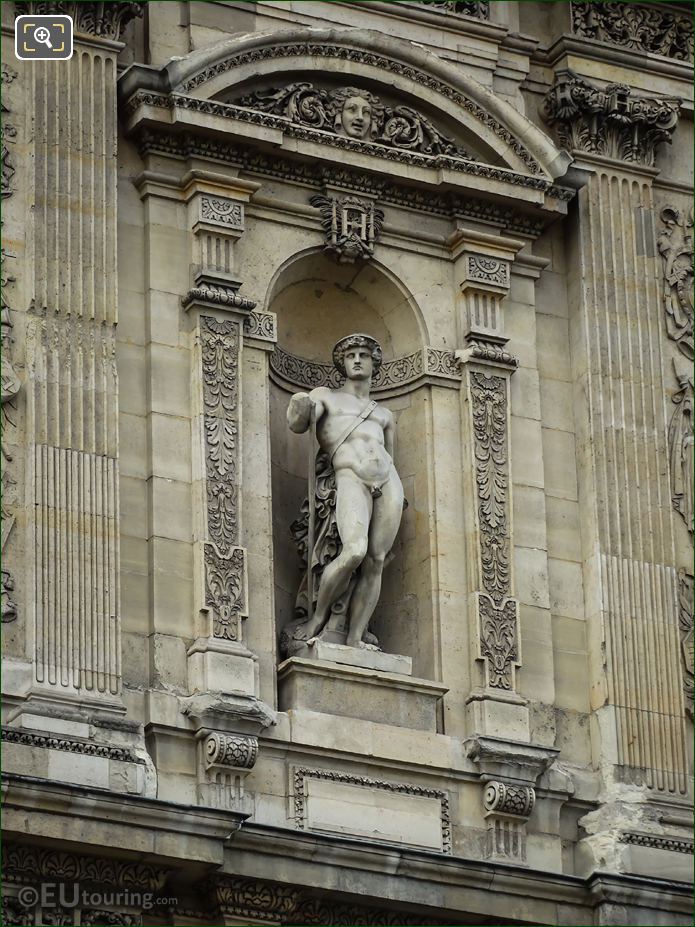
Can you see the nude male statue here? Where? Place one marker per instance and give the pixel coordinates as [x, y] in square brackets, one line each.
[357, 435]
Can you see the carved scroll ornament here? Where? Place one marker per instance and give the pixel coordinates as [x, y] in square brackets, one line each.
[355, 113]
[609, 121]
[641, 28]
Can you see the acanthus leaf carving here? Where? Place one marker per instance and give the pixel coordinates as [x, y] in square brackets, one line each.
[612, 121]
[489, 405]
[224, 590]
[634, 26]
[675, 244]
[106, 20]
[498, 641]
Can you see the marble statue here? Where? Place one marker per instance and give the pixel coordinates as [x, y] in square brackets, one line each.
[355, 503]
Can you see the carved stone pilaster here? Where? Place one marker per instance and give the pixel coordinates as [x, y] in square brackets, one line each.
[224, 762]
[483, 271]
[218, 659]
[610, 121]
[507, 809]
[685, 624]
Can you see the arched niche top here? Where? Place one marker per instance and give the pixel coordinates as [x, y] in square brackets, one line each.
[481, 121]
[318, 301]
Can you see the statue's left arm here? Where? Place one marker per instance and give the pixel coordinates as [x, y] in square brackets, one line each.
[389, 434]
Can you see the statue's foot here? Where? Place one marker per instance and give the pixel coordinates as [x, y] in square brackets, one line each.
[363, 645]
[306, 632]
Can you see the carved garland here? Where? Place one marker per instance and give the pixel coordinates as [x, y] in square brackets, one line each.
[641, 28]
[370, 59]
[301, 774]
[224, 561]
[610, 122]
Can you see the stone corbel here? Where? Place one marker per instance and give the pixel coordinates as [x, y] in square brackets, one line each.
[507, 809]
[224, 762]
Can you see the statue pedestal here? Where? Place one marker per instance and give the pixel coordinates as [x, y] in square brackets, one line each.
[350, 683]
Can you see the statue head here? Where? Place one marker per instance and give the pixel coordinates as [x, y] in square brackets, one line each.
[355, 112]
[349, 355]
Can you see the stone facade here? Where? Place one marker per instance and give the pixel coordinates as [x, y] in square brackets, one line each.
[196, 207]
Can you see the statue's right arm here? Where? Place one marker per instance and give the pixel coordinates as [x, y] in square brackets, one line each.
[299, 411]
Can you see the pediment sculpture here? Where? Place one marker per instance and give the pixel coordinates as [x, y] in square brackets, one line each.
[355, 113]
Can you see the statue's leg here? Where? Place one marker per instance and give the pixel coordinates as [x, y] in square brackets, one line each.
[352, 513]
[386, 519]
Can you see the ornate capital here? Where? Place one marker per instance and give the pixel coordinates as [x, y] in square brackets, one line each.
[105, 20]
[611, 121]
[637, 27]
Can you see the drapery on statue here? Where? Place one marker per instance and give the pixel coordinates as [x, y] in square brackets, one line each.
[346, 535]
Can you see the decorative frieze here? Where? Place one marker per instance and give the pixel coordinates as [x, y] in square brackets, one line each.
[221, 211]
[87, 748]
[401, 372]
[672, 844]
[351, 225]
[638, 27]
[478, 8]
[318, 175]
[262, 326]
[105, 20]
[612, 122]
[355, 113]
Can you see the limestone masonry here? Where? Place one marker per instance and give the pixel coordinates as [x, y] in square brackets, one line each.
[425, 656]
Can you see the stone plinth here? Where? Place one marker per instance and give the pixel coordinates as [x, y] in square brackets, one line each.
[352, 656]
[358, 692]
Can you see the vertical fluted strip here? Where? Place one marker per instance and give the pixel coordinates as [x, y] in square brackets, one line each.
[628, 431]
[73, 399]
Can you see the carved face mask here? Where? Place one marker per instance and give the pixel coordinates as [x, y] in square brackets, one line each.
[356, 117]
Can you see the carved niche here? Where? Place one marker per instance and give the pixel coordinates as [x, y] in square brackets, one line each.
[675, 244]
[351, 224]
[610, 121]
[354, 113]
[640, 28]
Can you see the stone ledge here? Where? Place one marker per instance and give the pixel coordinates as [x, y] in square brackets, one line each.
[356, 692]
